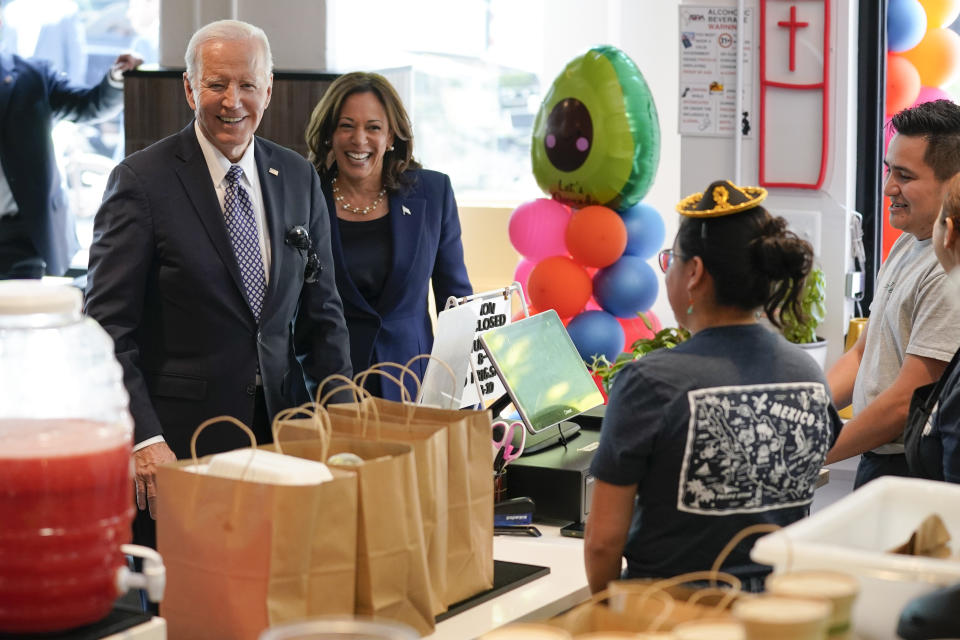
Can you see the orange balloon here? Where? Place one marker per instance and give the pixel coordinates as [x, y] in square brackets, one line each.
[941, 13]
[937, 57]
[903, 83]
[561, 284]
[519, 315]
[596, 236]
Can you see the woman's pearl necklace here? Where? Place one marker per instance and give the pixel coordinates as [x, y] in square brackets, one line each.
[346, 206]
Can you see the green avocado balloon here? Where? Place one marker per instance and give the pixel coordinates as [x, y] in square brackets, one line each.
[596, 137]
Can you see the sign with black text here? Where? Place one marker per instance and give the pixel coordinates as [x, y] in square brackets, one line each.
[494, 312]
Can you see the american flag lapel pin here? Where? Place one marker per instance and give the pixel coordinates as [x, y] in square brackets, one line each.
[406, 211]
[273, 171]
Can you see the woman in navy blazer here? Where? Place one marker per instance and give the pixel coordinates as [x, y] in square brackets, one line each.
[394, 225]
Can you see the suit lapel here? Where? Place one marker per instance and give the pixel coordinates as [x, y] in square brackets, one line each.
[271, 186]
[406, 226]
[195, 177]
[8, 78]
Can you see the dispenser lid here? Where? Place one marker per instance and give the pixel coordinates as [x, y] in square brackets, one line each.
[21, 297]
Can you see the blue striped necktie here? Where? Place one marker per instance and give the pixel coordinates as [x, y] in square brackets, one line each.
[242, 227]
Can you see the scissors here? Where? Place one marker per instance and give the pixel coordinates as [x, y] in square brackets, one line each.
[503, 432]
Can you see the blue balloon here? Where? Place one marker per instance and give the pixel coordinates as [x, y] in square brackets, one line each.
[596, 333]
[627, 286]
[906, 24]
[645, 230]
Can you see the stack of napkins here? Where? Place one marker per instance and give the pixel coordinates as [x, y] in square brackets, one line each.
[259, 465]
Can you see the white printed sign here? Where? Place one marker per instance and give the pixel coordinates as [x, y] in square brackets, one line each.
[494, 312]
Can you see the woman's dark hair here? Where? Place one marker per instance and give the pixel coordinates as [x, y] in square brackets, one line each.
[753, 259]
[323, 122]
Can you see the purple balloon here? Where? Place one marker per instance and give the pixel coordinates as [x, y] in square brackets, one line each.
[596, 333]
[537, 228]
[627, 286]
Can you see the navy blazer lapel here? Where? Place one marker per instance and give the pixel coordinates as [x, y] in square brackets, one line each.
[195, 177]
[8, 78]
[406, 225]
[271, 186]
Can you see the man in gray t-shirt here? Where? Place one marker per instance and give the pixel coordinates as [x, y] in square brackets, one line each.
[914, 325]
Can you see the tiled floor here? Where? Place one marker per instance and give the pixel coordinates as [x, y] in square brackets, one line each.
[840, 484]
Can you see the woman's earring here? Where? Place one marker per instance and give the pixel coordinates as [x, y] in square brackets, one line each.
[690, 308]
[326, 142]
[391, 148]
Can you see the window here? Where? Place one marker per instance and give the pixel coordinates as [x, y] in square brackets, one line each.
[469, 75]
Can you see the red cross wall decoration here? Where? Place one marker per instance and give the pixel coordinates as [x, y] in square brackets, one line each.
[794, 93]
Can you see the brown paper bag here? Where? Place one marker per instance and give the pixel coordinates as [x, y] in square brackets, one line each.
[392, 579]
[430, 456]
[242, 556]
[648, 605]
[470, 492]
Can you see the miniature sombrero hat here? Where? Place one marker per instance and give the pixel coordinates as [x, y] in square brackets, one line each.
[721, 199]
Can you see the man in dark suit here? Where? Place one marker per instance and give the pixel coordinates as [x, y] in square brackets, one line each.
[37, 235]
[210, 248]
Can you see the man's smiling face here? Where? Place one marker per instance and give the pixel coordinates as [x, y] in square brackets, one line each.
[913, 188]
[230, 93]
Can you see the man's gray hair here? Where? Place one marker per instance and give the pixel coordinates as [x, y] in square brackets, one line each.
[226, 30]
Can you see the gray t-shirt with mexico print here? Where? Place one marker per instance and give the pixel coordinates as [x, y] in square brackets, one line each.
[912, 313]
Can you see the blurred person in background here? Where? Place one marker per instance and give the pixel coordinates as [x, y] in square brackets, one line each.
[37, 232]
[394, 225]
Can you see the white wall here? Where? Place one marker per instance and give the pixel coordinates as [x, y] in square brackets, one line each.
[829, 209]
[294, 27]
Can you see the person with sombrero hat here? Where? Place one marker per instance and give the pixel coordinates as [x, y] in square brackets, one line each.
[729, 428]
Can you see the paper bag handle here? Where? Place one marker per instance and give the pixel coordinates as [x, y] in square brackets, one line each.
[762, 527]
[322, 398]
[427, 356]
[311, 410]
[207, 423]
[363, 407]
[378, 368]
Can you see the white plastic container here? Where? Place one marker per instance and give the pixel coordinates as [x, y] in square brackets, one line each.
[853, 536]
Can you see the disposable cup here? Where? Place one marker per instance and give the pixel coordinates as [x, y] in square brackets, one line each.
[527, 631]
[768, 616]
[840, 589]
[709, 630]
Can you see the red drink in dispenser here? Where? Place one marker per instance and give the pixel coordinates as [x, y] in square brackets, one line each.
[66, 502]
[66, 506]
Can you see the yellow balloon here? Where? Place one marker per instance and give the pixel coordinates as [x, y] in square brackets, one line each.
[937, 57]
[940, 13]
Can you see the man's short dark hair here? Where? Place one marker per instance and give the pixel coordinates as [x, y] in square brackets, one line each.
[937, 122]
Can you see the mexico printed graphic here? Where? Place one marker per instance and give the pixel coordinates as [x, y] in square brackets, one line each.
[753, 448]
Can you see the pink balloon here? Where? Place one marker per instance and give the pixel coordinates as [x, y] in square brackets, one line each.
[929, 94]
[537, 228]
[522, 272]
[592, 304]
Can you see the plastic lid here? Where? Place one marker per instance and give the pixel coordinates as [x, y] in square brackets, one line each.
[22, 297]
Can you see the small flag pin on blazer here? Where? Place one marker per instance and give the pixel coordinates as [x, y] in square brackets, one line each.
[274, 171]
[406, 211]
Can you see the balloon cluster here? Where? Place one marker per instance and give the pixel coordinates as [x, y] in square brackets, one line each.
[923, 54]
[590, 266]
[594, 150]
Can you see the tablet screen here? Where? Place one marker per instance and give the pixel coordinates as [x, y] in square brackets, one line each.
[541, 369]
